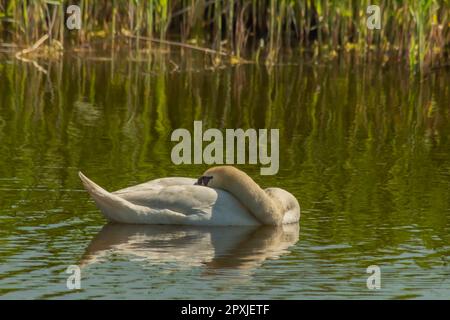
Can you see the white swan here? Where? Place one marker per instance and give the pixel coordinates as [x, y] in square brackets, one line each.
[222, 196]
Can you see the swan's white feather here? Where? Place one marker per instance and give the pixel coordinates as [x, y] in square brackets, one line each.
[157, 184]
[170, 201]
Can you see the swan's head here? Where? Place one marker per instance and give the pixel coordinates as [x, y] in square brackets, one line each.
[222, 177]
[251, 195]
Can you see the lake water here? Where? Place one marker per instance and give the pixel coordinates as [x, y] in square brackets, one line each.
[365, 149]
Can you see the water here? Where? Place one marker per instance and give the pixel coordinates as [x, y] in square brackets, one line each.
[366, 150]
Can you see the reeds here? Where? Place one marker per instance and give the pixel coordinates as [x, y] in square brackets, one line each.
[416, 31]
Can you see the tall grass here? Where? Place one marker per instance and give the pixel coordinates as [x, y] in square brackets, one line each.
[416, 31]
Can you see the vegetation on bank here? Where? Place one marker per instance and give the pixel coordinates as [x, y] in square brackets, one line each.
[416, 31]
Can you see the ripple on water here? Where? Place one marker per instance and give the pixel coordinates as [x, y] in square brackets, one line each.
[372, 182]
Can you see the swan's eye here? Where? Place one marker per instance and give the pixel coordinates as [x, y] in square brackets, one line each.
[203, 180]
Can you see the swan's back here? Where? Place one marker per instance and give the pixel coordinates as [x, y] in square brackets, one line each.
[170, 201]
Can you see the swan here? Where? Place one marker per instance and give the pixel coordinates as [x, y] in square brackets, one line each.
[222, 196]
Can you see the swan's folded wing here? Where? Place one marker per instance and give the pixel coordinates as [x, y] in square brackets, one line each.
[198, 204]
[119, 209]
[156, 184]
[184, 199]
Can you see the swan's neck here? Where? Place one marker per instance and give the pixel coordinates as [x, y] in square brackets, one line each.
[264, 208]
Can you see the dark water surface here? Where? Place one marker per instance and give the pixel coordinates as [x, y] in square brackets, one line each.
[366, 150]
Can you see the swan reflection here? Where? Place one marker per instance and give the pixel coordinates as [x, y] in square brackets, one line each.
[215, 248]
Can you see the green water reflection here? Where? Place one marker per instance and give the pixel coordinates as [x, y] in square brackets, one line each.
[366, 150]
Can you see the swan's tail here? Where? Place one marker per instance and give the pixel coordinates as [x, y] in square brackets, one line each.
[112, 206]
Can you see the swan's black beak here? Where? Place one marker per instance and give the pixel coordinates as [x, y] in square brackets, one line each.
[203, 181]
